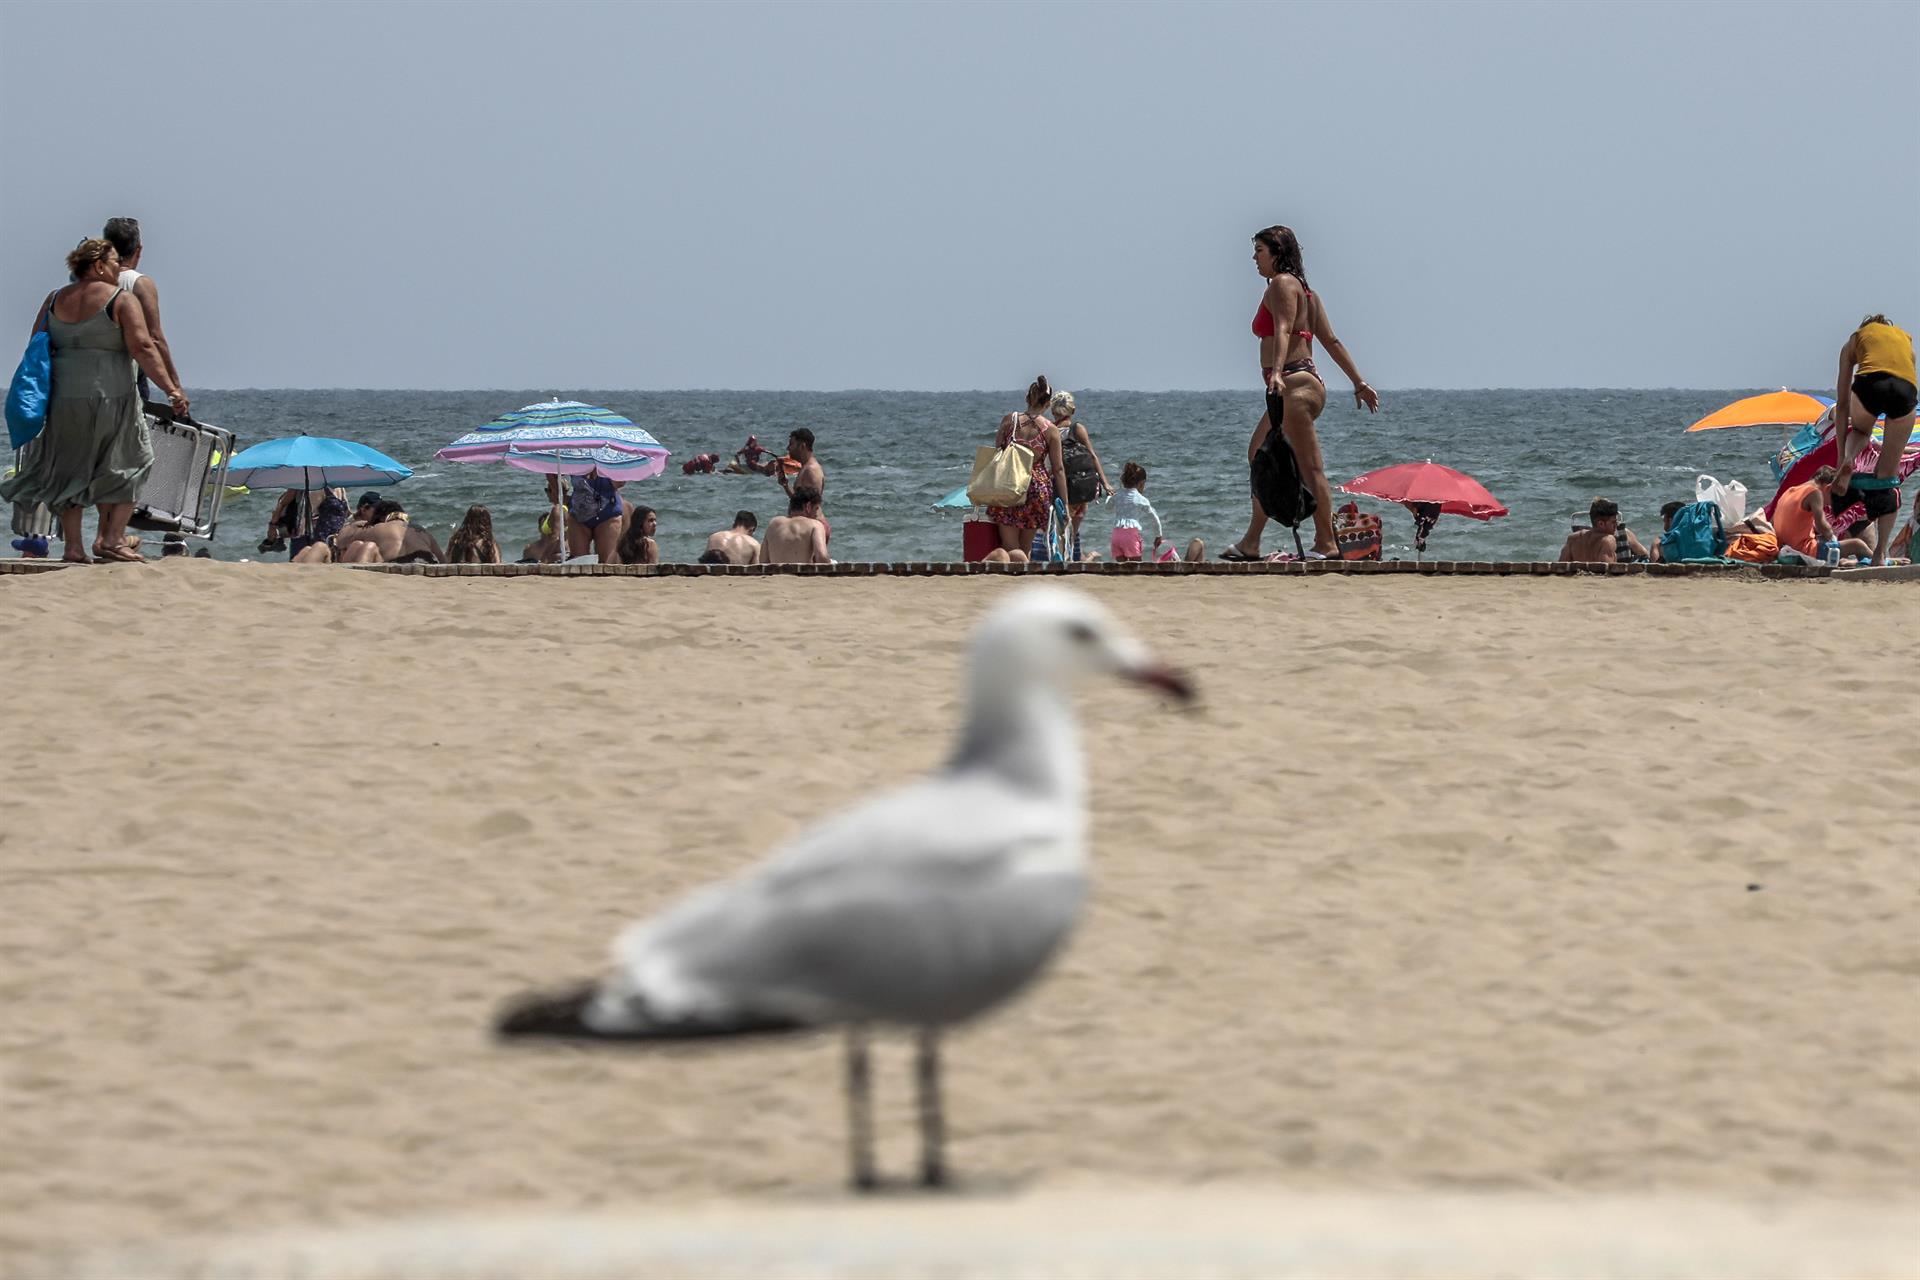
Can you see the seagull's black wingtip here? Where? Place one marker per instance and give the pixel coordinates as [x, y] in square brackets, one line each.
[561, 1015]
[547, 1014]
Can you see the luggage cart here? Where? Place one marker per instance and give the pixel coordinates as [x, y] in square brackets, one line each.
[183, 492]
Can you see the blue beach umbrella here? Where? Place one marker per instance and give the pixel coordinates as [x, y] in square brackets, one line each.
[955, 501]
[307, 462]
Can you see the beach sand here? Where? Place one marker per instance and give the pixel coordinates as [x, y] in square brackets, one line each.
[1566, 891]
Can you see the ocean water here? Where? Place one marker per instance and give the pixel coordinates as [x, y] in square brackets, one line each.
[890, 455]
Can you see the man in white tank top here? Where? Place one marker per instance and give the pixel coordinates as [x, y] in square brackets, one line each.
[124, 235]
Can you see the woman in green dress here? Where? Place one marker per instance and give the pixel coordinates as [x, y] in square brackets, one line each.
[94, 450]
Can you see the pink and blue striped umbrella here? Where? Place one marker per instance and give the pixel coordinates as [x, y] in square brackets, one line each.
[563, 437]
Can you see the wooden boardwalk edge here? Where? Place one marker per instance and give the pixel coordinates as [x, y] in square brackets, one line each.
[1212, 568]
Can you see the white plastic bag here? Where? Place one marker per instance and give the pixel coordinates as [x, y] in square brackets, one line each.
[1731, 497]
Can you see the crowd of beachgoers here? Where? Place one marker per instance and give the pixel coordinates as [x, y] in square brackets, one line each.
[107, 350]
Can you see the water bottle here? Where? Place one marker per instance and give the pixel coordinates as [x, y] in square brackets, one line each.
[1830, 551]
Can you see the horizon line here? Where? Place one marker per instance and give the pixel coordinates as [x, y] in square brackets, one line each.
[967, 391]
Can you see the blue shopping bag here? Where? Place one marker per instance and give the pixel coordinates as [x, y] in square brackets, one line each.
[31, 388]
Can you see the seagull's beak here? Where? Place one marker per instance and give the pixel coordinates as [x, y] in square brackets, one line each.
[1165, 679]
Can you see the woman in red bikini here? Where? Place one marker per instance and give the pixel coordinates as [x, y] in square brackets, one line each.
[1290, 316]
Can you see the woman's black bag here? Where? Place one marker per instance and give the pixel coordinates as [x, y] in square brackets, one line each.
[1278, 485]
[1083, 482]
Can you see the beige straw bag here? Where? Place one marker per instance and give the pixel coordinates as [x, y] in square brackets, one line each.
[1001, 476]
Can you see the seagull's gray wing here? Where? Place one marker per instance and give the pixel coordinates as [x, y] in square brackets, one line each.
[925, 906]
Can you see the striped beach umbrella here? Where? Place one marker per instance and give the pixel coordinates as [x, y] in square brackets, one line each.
[563, 437]
[1782, 408]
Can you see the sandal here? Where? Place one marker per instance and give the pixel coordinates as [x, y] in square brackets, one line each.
[122, 554]
[1236, 554]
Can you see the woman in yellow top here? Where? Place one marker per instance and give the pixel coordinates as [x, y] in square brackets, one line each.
[1876, 379]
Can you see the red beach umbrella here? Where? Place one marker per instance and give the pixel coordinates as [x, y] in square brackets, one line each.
[1430, 491]
[1456, 493]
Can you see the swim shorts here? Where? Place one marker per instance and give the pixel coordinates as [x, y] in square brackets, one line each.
[1878, 502]
[1886, 395]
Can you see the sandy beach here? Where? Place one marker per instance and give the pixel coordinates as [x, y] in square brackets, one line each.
[1562, 889]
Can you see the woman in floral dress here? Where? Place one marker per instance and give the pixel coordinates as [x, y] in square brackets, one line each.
[1037, 432]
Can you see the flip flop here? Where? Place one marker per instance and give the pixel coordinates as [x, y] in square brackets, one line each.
[1236, 554]
[123, 555]
[1316, 555]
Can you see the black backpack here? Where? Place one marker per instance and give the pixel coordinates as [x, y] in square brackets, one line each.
[1083, 482]
[1278, 485]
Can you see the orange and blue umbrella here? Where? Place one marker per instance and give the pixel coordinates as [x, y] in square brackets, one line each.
[1782, 408]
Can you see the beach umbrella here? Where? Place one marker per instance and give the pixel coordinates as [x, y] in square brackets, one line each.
[1782, 408]
[563, 437]
[1827, 454]
[307, 462]
[1429, 491]
[955, 501]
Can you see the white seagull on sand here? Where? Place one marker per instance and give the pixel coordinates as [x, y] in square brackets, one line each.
[921, 909]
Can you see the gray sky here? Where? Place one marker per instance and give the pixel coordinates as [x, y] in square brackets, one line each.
[944, 197]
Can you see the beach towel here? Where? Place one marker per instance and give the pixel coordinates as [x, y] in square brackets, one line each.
[1754, 548]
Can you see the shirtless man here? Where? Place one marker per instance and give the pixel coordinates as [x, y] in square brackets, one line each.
[390, 538]
[124, 235]
[798, 537]
[811, 474]
[1600, 544]
[321, 552]
[738, 544]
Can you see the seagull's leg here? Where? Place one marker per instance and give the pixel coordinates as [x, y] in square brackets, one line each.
[933, 1168]
[860, 1108]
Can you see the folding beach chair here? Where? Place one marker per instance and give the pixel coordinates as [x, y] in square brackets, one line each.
[183, 492]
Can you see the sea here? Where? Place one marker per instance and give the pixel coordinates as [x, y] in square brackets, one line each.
[891, 455]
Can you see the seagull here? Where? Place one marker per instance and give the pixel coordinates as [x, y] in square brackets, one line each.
[921, 909]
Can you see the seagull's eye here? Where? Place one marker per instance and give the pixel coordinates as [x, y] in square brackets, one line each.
[1081, 633]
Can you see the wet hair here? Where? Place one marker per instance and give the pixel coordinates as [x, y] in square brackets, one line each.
[801, 499]
[472, 542]
[1601, 508]
[746, 520]
[386, 511]
[1875, 318]
[1285, 248]
[633, 542]
[1669, 510]
[803, 434]
[714, 555]
[123, 234]
[1825, 475]
[85, 254]
[1039, 392]
[1133, 475]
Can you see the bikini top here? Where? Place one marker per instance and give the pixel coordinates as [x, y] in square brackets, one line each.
[1033, 442]
[1263, 320]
